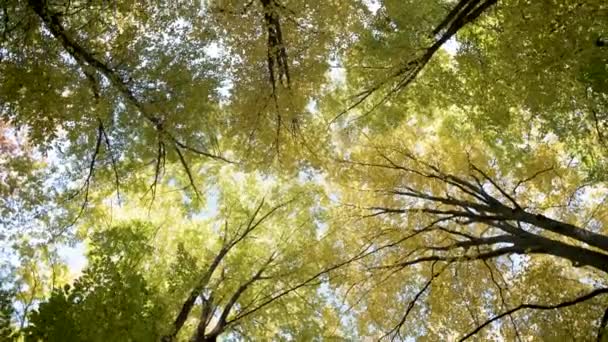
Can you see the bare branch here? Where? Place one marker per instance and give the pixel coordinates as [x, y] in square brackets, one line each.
[453, 14]
[495, 184]
[482, 256]
[307, 282]
[87, 182]
[112, 158]
[158, 170]
[410, 306]
[85, 187]
[575, 301]
[188, 173]
[525, 180]
[488, 209]
[201, 152]
[502, 298]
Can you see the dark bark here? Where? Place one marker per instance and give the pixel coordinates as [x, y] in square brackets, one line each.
[562, 228]
[277, 52]
[188, 304]
[222, 322]
[206, 315]
[182, 316]
[473, 204]
[453, 14]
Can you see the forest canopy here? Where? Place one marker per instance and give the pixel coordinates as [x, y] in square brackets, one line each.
[289, 170]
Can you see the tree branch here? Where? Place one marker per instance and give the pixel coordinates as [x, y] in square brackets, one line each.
[411, 304]
[465, 12]
[112, 158]
[87, 60]
[575, 301]
[204, 280]
[222, 324]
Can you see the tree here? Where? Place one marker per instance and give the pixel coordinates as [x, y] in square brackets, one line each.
[464, 206]
[303, 170]
[394, 24]
[555, 85]
[251, 270]
[110, 300]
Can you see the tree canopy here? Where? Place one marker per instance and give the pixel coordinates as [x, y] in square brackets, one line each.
[290, 170]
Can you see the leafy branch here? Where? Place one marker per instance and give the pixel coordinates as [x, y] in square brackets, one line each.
[89, 64]
[465, 12]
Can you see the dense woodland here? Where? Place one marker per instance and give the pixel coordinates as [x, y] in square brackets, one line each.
[291, 170]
